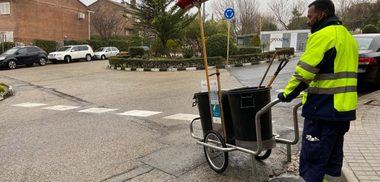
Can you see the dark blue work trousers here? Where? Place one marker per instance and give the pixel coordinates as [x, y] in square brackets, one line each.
[322, 149]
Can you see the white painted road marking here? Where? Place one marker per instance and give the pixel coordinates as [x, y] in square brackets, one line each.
[29, 104]
[61, 108]
[139, 113]
[180, 116]
[97, 110]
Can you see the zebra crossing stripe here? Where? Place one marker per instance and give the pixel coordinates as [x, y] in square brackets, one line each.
[61, 108]
[97, 110]
[29, 104]
[139, 113]
[181, 116]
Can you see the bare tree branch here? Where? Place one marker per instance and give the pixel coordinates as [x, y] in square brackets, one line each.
[108, 24]
[281, 11]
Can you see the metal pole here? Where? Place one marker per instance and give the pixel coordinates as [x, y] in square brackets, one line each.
[228, 40]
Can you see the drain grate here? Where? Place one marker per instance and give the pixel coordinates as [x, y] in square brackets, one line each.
[373, 103]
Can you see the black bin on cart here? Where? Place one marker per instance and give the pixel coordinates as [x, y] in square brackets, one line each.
[244, 103]
[203, 104]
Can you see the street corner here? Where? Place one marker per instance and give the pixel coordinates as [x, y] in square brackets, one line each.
[5, 91]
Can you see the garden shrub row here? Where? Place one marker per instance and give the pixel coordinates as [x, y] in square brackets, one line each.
[219, 61]
[134, 63]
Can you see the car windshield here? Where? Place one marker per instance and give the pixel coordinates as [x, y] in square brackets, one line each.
[364, 42]
[100, 49]
[11, 51]
[64, 48]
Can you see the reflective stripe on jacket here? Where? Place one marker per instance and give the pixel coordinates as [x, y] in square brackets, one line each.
[328, 69]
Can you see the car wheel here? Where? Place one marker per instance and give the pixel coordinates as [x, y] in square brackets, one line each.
[88, 57]
[12, 64]
[103, 57]
[67, 59]
[42, 62]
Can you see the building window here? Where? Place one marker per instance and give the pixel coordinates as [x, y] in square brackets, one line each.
[6, 36]
[81, 16]
[5, 8]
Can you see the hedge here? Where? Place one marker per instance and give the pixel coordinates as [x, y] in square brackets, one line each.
[136, 51]
[7, 45]
[248, 50]
[47, 45]
[163, 64]
[219, 61]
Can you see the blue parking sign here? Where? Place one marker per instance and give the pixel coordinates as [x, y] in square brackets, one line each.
[229, 13]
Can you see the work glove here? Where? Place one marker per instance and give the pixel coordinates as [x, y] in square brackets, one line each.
[282, 98]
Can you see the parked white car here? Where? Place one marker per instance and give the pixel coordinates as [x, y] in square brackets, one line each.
[72, 52]
[106, 52]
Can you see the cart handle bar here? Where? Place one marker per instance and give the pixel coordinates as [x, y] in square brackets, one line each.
[278, 139]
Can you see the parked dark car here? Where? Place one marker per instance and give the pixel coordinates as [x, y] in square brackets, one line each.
[24, 55]
[369, 58]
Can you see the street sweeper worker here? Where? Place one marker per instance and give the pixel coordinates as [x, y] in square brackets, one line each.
[327, 71]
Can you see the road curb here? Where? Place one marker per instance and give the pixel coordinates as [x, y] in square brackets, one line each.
[347, 173]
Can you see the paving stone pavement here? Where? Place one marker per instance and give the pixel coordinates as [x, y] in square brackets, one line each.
[362, 142]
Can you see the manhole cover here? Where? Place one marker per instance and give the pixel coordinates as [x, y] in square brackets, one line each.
[373, 103]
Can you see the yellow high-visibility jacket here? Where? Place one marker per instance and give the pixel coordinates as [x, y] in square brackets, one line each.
[328, 70]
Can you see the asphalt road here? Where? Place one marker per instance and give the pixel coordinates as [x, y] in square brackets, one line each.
[85, 122]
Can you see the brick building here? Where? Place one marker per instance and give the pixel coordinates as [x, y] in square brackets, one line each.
[110, 9]
[25, 20]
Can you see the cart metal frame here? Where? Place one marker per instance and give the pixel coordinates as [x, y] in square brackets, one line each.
[259, 143]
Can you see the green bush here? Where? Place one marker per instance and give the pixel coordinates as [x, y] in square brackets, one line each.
[172, 46]
[187, 52]
[2, 89]
[256, 40]
[217, 45]
[248, 50]
[6, 45]
[136, 51]
[47, 45]
[370, 29]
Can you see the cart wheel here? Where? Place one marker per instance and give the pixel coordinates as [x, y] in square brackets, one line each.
[216, 159]
[264, 155]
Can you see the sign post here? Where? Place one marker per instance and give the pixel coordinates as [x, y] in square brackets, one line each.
[229, 13]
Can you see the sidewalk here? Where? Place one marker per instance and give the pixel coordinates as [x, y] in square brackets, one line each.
[362, 142]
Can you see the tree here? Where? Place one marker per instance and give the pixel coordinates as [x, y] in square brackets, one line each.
[280, 11]
[267, 23]
[192, 35]
[297, 21]
[284, 11]
[107, 24]
[163, 19]
[366, 12]
[246, 20]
